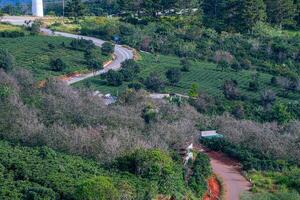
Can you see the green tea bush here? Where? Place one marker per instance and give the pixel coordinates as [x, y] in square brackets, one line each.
[12, 34]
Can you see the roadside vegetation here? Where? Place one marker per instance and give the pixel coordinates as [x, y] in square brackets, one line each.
[42, 173]
[40, 53]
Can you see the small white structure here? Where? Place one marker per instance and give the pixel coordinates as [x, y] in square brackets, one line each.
[37, 8]
[210, 134]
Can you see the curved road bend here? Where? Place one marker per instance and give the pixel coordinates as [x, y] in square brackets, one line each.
[120, 52]
[230, 172]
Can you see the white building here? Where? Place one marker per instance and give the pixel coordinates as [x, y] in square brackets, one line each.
[37, 8]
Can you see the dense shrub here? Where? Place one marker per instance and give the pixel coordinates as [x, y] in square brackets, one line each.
[114, 78]
[149, 114]
[154, 83]
[12, 34]
[249, 159]
[154, 165]
[82, 44]
[230, 90]
[130, 69]
[57, 65]
[135, 85]
[100, 188]
[93, 59]
[185, 65]
[107, 48]
[7, 61]
[173, 75]
[201, 171]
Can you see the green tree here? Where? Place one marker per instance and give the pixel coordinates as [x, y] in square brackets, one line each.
[185, 65]
[281, 12]
[98, 188]
[114, 78]
[75, 8]
[129, 69]
[223, 64]
[214, 13]
[281, 113]
[93, 60]
[173, 75]
[249, 13]
[57, 65]
[193, 92]
[154, 83]
[35, 27]
[107, 48]
[7, 61]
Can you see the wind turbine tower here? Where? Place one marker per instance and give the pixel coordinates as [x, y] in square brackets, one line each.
[37, 8]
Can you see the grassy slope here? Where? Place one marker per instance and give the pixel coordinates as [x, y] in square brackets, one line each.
[24, 167]
[33, 53]
[208, 77]
[8, 27]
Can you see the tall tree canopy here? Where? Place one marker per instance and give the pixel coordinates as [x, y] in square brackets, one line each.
[281, 12]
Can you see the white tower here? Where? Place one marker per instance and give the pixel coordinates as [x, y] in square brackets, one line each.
[37, 8]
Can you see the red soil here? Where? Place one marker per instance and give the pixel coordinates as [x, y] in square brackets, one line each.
[214, 189]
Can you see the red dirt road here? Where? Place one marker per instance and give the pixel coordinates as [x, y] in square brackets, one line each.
[214, 192]
[230, 173]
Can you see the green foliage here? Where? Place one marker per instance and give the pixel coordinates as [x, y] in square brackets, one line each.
[75, 8]
[35, 193]
[7, 61]
[249, 159]
[154, 165]
[149, 114]
[193, 92]
[281, 12]
[12, 34]
[281, 113]
[130, 69]
[98, 188]
[271, 196]
[57, 65]
[5, 91]
[35, 27]
[185, 65]
[114, 78]
[173, 75]
[154, 83]
[41, 173]
[201, 171]
[82, 44]
[223, 65]
[93, 59]
[107, 48]
[33, 54]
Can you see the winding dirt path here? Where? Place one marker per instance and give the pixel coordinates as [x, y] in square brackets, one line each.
[230, 172]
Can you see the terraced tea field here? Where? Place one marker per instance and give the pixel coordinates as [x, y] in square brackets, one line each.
[34, 53]
[207, 76]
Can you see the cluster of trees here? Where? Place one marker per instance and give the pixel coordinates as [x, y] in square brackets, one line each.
[45, 117]
[249, 159]
[92, 55]
[42, 173]
[130, 70]
[235, 15]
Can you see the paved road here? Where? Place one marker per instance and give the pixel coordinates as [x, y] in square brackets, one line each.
[230, 173]
[121, 53]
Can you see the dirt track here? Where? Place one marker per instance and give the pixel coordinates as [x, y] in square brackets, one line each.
[230, 173]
